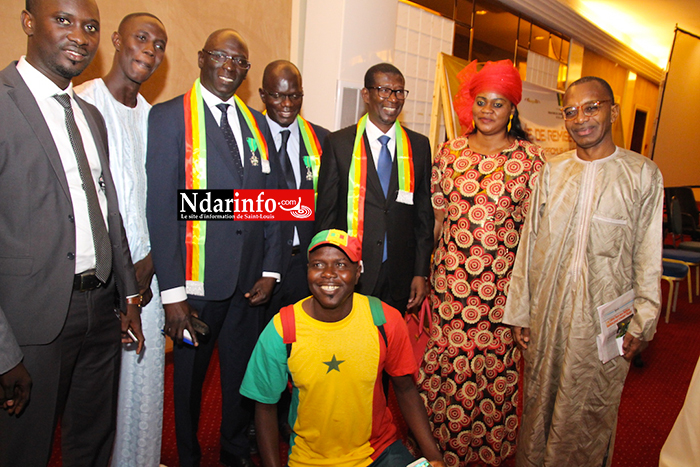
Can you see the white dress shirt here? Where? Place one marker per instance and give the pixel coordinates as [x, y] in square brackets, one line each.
[373, 134]
[231, 113]
[43, 90]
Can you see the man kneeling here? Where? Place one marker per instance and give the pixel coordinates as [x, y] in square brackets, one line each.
[335, 345]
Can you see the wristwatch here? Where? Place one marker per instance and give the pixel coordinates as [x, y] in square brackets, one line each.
[135, 300]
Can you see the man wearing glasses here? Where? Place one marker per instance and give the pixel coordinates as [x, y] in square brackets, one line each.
[219, 271]
[375, 183]
[593, 232]
[298, 145]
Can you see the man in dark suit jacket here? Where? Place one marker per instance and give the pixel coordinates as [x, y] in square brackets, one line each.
[57, 307]
[398, 227]
[283, 94]
[240, 262]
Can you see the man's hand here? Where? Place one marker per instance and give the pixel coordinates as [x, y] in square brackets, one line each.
[631, 346]
[261, 292]
[177, 319]
[132, 320]
[16, 385]
[521, 336]
[144, 275]
[419, 289]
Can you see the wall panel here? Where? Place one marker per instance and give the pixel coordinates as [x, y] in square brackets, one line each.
[597, 65]
[616, 75]
[646, 97]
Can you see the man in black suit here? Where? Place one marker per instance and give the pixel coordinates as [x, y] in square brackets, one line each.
[238, 261]
[298, 155]
[395, 218]
[64, 248]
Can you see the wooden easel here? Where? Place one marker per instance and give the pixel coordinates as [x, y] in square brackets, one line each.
[446, 85]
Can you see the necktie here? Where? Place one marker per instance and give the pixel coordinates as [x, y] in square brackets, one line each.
[285, 162]
[230, 139]
[100, 237]
[384, 164]
[384, 172]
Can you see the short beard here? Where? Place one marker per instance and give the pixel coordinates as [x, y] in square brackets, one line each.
[68, 73]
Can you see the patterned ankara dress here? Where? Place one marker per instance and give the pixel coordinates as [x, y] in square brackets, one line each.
[468, 379]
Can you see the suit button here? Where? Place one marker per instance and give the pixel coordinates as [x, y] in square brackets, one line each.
[71, 218]
[70, 255]
[289, 242]
[239, 232]
[379, 242]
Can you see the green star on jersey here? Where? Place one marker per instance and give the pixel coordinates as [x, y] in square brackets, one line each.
[334, 364]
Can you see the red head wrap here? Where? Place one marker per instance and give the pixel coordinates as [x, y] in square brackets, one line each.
[500, 77]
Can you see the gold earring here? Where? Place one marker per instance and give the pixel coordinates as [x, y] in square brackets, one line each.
[509, 123]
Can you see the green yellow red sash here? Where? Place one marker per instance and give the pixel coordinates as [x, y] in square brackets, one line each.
[196, 176]
[357, 176]
[404, 156]
[313, 148]
[257, 142]
[195, 179]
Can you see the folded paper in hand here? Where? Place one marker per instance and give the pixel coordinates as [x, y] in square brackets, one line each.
[615, 317]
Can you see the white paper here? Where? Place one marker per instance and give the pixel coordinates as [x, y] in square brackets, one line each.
[611, 314]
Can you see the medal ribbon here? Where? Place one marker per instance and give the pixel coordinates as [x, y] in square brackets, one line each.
[313, 149]
[260, 142]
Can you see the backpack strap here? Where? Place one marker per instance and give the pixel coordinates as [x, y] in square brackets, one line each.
[289, 328]
[377, 308]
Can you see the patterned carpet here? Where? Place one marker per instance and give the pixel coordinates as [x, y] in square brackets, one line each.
[651, 400]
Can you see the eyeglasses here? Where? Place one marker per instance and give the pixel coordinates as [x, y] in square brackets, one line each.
[220, 57]
[384, 93]
[589, 109]
[278, 96]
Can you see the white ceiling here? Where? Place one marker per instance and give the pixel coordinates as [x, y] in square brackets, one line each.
[646, 26]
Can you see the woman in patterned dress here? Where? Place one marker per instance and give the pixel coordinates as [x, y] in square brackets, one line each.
[481, 184]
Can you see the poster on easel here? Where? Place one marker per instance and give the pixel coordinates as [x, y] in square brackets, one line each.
[541, 118]
[539, 110]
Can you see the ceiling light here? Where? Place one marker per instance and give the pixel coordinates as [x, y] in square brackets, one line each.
[481, 12]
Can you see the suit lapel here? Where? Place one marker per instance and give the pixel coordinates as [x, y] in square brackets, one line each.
[99, 136]
[25, 102]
